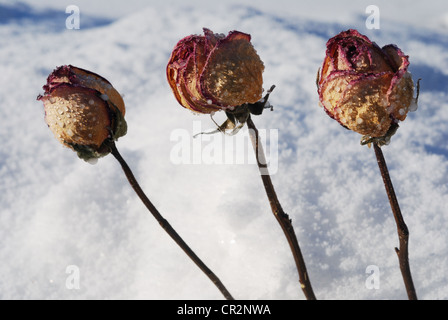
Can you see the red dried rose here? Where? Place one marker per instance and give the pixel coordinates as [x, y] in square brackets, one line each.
[83, 110]
[215, 72]
[364, 87]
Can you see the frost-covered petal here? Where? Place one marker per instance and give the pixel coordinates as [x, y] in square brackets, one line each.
[77, 76]
[233, 74]
[77, 116]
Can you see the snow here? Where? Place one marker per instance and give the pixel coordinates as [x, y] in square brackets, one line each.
[59, 213]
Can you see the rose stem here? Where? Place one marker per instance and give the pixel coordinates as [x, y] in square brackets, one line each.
[165, 225]
[402, 229]
[280, 215]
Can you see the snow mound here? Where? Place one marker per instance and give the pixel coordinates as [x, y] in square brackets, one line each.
[58, 211]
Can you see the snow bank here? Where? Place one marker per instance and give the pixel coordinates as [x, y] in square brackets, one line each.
[58, 211]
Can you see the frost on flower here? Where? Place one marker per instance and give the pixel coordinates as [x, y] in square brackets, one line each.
[215, 72]
[365, 88]
[83, 110]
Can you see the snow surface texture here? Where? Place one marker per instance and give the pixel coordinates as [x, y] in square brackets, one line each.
[58, 211]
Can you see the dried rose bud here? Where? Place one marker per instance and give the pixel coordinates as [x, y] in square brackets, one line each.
[83, 111]
[215, 72]
[364, 87]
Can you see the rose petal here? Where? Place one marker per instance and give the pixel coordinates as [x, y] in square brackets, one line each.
[233, 73]
[76, 115]
[95, 81]
[364, 105]
[77, 76]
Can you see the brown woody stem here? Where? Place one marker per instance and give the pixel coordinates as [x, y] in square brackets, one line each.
[165, 225]
[402, 229]
[280, 215]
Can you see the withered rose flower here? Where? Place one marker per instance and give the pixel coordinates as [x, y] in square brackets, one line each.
[215, 72]
[83, 110]
[364, 87]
